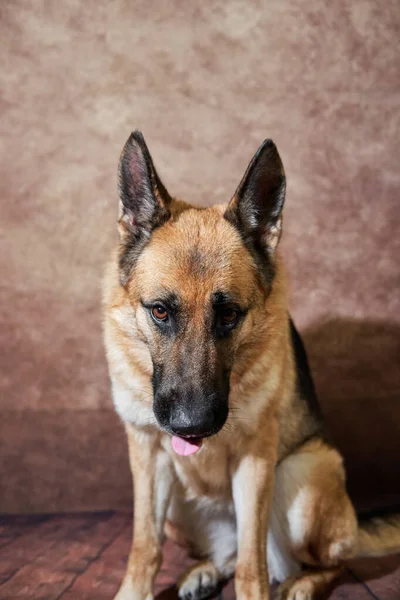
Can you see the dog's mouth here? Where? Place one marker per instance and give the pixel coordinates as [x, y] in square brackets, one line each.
[185, 446]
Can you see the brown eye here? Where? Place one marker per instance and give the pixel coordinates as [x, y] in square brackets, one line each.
[229, 316]
[159, 313]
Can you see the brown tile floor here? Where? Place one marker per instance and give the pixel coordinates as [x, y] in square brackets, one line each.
[82, 557]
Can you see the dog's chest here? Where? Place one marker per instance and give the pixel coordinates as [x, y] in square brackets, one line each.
[205, 473]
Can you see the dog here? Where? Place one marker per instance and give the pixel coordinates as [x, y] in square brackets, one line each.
[227, 448]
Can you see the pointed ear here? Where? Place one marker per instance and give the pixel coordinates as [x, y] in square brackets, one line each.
[144, 201]
[256, 208]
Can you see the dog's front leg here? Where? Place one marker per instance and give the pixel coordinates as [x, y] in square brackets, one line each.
[252, 492]
[152, 481]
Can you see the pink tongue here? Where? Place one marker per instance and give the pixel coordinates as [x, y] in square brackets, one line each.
[185, 447]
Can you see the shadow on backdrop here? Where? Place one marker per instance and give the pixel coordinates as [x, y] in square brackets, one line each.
[355, 365]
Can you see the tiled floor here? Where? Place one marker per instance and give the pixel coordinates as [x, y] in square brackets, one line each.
[82, 557]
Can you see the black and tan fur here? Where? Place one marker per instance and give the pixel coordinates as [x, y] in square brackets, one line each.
[227, 366]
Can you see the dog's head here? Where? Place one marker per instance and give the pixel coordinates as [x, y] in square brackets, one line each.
[197, 280]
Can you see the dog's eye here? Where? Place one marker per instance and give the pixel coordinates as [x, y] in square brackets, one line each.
[229, 316]
[159, 313]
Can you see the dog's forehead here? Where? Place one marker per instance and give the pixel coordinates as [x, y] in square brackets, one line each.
[195, 256]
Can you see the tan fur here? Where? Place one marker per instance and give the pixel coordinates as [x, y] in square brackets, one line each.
[309, 585]
[379, 536]
[307, 509]
[317, 510]
[147, 463]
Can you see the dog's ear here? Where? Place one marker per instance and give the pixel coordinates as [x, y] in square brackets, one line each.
[144, 201]
[256, 208]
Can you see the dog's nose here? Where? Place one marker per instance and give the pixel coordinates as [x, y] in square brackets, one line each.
[185, 422]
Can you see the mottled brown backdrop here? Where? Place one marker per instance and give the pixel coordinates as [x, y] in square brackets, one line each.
[206, 82]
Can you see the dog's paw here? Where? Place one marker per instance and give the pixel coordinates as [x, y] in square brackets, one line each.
[292, 589]
[199, 582]
[309, 585]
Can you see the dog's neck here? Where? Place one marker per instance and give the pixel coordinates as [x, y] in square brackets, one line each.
[266, 361]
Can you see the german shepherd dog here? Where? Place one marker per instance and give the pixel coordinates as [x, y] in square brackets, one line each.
[210, 377]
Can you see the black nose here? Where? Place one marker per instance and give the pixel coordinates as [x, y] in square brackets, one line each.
[192, 422]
